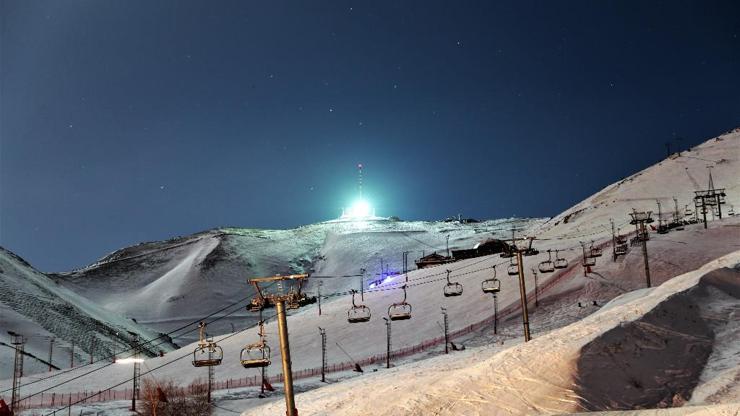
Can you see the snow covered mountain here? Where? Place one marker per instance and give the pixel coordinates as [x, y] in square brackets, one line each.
[165, 284]
[40, 309]
[675, 177]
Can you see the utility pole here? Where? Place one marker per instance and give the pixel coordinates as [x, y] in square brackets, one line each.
[614, 241]
[405, 265]
[17, 341]
[448, 245]
[321, 283]
[446, 327]
[211, 374]
[72, 355]
[536, 289]
[495, 314]
[51, 351]
[387, 342]
[362, 284]
[262, 372]
[278, 300]
[640, 219]
[322, 331]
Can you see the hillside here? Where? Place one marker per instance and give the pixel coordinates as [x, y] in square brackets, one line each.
[631, 353]
[675, 177]
[165, 284]
[201, 273]
[40, 309]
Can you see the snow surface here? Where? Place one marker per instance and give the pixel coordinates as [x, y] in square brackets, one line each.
[189, 277]
[539, 377]
[39, 309]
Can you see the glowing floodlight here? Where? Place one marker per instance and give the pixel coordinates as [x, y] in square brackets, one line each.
[359, 209]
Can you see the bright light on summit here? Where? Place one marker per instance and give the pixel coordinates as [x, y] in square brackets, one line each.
[359, 209]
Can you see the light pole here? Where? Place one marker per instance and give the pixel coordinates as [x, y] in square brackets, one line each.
[388, 342]
[447, 338]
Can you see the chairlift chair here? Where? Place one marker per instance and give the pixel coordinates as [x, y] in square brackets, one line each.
[207, 353]
[452, 288]
[507, 252]
[491, 285]
[531, 251]
[731, 211]
[513, 269]
[357, 313]
[620, 249]
[256, 355]
[589, 261]
[594, 251]
[560, 262]
[547, 266]
[400, 311]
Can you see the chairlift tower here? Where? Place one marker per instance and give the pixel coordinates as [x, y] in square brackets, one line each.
[711, 197]
[279, 299]
[640, 219]
[17, 341]
[536, 289]
[322, 331]
[518, 252]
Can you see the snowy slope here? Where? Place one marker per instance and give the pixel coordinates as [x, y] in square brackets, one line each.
[166, 284]
[38, 308]
[643, 349]
[678, 176]
[671, 253]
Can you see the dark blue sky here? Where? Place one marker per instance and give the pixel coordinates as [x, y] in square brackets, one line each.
[125, 121]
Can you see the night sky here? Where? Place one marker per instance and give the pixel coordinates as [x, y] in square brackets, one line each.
[130, 121]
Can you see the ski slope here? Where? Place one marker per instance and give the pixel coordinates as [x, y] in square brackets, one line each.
[183, 279]
[192, 276]
[589, 365]
[38, 308]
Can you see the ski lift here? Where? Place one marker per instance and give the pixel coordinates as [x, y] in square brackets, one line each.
[452, 288]
[491, 285]
[295, 297]
[621, 248]
[508, 252]
[513, 269]
[207, 353]
[401, 310]
[358, 313]
[594, 251]
[547, 266]
[589, 261]
[731, 211]
[531, 251]
[256, 355]
[560, 262]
